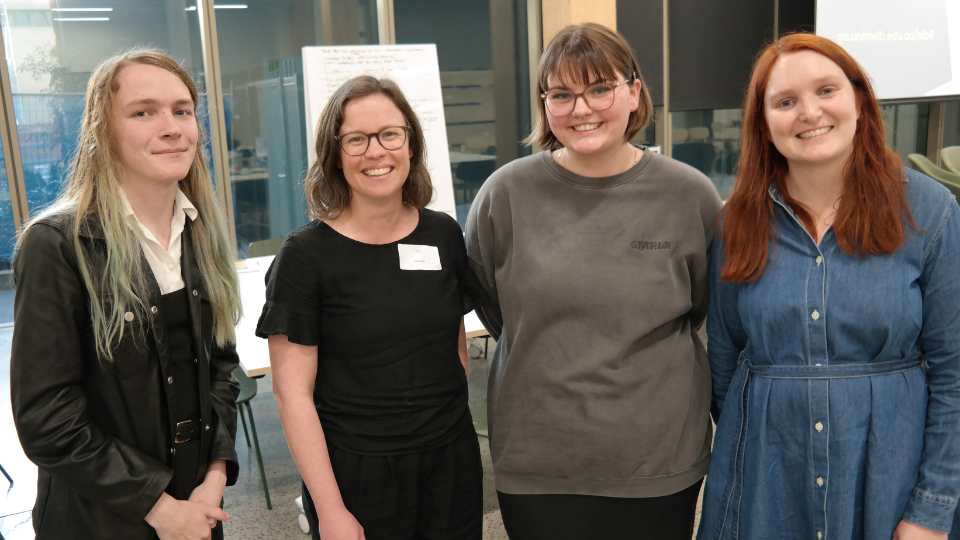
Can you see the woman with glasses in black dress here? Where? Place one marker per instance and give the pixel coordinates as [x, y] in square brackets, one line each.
[364, 316]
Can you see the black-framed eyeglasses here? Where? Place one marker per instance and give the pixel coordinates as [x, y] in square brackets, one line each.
[356, 143]
[598, 96]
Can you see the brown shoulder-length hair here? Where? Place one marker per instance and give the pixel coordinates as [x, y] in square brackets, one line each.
[873, 205]
[326, 188]
[581, 53]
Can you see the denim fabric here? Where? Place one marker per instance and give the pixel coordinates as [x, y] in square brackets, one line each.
[836, 384]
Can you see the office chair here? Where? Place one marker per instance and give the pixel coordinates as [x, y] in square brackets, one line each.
[248, 390]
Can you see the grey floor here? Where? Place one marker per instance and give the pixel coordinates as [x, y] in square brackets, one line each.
[245, 501]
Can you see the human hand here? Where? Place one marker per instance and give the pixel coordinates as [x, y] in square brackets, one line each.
[183, 520]
[211, 490]
[209, 493]
[340, 524]
[911, 531]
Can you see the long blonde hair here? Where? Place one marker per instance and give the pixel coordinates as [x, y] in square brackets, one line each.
[93, 189]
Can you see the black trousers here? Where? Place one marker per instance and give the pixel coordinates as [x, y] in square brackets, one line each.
[586, 517]
[436, 494]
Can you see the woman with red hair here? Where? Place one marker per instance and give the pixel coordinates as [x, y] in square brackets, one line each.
[834, 322]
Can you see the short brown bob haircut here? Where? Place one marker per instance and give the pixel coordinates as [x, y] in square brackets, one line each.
[584, 53]
[325, 187]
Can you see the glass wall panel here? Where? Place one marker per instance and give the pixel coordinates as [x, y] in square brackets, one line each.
[484, 77]
[710, 141]
[8, 237]
[484, 74]
[52, 47]
[263, 96]
[907, 126]
[951, 123]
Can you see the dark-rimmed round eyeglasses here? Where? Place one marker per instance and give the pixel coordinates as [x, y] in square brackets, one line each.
[598, 96]
[356, 143]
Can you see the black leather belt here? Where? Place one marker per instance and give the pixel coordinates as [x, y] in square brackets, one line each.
[187, 430]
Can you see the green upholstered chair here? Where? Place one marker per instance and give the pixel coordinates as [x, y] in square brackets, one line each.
[945, 177]
[950, 156]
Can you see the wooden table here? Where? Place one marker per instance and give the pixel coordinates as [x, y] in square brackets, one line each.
[253, 351]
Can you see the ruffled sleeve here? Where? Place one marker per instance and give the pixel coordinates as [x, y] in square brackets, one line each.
[292, 306]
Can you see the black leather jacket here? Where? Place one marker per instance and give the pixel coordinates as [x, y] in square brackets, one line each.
[100, 431]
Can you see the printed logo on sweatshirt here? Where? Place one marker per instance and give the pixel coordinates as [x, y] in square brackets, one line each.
[652, 245]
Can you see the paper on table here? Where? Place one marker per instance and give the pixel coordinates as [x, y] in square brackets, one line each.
[253, 351]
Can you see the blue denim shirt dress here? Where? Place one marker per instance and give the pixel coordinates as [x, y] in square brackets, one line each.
[836, 384]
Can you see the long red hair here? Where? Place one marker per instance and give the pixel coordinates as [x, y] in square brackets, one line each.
[873, 204]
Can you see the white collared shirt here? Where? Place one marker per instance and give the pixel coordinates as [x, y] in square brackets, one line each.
[164, 261]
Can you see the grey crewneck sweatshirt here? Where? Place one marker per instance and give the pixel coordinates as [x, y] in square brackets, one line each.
[600, 385]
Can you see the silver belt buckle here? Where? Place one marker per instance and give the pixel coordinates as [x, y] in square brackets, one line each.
[184, 433]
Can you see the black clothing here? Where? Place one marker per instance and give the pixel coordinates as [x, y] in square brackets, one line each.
[389, 379]
[390, 391]
[431, 495]
[175, 317]
[187, 470]
[101, 432]
[575, 517]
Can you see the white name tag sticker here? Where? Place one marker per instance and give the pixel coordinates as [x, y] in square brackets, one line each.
[418, 257]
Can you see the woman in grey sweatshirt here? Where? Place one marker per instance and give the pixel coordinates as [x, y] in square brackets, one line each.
[595, 253]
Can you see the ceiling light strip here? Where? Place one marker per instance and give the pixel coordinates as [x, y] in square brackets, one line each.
[220, 6]
[83, 10]
[81, 19]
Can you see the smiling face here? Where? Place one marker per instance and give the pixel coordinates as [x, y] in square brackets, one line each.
[377, 174]
[585, 132]
[153, 126]
[810, 109]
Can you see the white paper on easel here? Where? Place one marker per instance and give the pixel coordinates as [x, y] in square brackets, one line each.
[415, 70]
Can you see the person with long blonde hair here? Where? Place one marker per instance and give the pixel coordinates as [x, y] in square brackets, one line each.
[834, 322]
[125, 308]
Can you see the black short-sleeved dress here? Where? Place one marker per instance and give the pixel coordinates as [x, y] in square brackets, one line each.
[385, 319]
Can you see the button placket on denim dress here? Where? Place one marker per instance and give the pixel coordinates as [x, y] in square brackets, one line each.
[819, 387]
